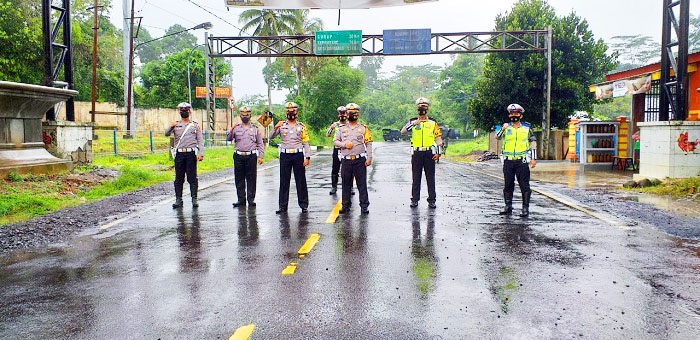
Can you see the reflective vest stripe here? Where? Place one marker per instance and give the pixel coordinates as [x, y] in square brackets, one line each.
[516, 141]
[425, 135]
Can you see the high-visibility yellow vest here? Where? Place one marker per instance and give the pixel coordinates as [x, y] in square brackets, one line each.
[424, 134]
[515, 141]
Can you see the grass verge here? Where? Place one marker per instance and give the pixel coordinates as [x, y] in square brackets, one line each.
[677, 188]
[467, 151]
[25, 197]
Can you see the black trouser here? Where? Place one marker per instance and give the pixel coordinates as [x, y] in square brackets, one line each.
[186, 163]
[245, 171]
[423, 160]
[335, 169]
[289, 162]
[358, 170]
[516, 168]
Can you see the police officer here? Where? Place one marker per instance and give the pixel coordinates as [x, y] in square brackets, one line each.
[189, 148]
[355, 143]
[426, 141]
[249, 153]
[519, 151]
[295, 155]
[335, 169]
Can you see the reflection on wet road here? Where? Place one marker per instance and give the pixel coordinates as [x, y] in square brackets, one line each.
[459, 271]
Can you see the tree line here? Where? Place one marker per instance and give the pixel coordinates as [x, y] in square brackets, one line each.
[471, 92]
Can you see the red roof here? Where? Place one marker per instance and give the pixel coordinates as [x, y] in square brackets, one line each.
[692, 59]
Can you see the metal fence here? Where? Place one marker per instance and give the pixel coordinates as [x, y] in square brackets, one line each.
[139, 142]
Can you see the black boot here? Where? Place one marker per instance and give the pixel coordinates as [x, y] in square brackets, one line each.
[193, 193]
[526, 205]
[334, 185]
[508, 198]
[178, 203]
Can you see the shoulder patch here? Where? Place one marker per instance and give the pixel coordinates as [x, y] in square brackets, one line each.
[525, 124]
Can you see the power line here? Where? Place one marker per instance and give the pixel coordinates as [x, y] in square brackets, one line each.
[216, 16]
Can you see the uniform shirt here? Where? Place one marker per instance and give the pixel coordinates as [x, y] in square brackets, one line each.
[247, 138]
[331, 130]
[515, 136]
[434, 136]
[293, 137]
[357, 134]
[192, 139]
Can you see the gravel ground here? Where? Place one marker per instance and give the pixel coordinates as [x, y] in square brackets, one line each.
[61, 225]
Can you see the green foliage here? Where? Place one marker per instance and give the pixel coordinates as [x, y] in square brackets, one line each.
[466, 148]
[335, 84]
[684, 187]
[15, 177]
[21, 41]
[371, 66]
[169, 45]
[164, 81]
[612, 108]
[393, 102]
[457, 85]
[577, 61]
[634, 50]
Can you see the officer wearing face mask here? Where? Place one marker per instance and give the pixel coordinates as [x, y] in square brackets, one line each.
[188, 150]
[519, 151]
[355, 143]
[335, 169]
[250, 150]
[426, 141]
[295, 155]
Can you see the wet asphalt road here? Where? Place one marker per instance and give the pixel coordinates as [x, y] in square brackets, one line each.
[457, 272]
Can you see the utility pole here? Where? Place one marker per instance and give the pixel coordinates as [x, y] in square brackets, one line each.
[94, 63]
[129, 95]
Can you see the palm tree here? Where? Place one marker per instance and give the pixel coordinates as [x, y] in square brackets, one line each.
[269, 22]
[305, 26]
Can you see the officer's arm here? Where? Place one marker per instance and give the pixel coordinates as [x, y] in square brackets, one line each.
[407, 127]
[532, 153]
[200, 141]
[368, 143]
[331, 129]
[305, 142]
[438, 135]
[274, 133]
[338, 141]
[229, 135]
[169, 131]
[259, 144]
[500, 132]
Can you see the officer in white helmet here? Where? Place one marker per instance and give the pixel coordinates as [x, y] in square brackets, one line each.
[250, 151]
[335, 168]
[187, 151]
[518, 152]
[426, 141]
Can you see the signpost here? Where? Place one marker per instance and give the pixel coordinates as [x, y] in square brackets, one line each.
[219, 92]
[408, 41]
[339, 42]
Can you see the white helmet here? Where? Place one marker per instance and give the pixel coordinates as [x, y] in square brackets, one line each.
[422, 102]
[244, 109]
[342, 109]
[352, 107]
[291, 106]
[516, 108]
[184, 106]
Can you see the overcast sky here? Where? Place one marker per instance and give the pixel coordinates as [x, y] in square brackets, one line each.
[606, 18]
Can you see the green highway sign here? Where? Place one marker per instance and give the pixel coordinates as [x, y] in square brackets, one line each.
[339, 42]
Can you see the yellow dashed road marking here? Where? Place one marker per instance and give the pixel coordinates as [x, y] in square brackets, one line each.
[334, 214]
[305, 249]
[243, 333]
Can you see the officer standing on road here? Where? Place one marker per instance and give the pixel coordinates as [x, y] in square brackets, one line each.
[426, 141]
[250, 150]
[295, 155]
[189, 148]
[519, 151]
[335, 169]
[355, 141]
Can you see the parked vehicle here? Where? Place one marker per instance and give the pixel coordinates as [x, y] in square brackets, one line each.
[391, 135]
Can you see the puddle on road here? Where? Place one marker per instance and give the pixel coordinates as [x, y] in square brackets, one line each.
[680, 207]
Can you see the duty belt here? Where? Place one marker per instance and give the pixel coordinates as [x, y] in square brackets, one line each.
[354, 157]
[422, 149]
[291, 150]
[247, 153]
[187, 150]
[513, 158]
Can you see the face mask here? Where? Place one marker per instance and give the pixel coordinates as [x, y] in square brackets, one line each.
[342, 118]
[245, 119]
[422, 111]
[291, 115]
[184, 114]
[353, 117]
[514, 118]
